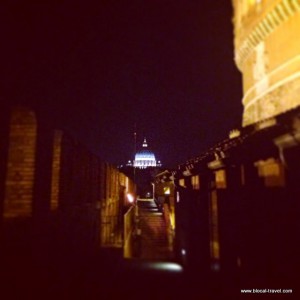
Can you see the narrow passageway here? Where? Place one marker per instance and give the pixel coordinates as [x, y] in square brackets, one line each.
[154, 236]
[151, 274]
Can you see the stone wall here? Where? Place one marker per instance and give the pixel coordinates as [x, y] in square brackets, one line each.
[19, 180]
[54, 193]
[241, 223]
[267, 52]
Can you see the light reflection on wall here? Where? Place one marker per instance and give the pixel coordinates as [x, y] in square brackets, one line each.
[20, 164]
[214, 227]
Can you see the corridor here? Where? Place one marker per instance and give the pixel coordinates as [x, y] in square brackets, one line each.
[154, 235]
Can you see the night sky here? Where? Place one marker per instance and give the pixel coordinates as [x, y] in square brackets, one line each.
[96, 70]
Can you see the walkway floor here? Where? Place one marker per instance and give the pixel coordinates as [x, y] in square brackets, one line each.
[154, 238]
[63, 273]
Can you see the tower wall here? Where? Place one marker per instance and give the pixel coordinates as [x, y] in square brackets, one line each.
[267, 52]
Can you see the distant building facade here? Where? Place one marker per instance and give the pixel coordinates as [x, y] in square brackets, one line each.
[142, 169]
[144, 158]
[267, 52]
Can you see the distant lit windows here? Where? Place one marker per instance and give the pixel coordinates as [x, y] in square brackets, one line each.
[182, 182]
[195, 182]
[220, 179]
[272, 171]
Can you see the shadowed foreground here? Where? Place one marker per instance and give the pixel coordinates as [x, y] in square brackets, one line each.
[35, 268]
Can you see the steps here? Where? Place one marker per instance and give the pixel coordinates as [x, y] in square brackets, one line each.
[154, 239]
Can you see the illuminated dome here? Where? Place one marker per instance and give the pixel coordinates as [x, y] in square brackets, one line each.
[145, 158]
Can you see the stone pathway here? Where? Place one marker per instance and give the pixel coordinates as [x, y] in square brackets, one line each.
[154, 239]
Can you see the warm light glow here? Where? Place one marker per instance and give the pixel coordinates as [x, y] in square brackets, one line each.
[272, 171]
[181, 182]
[195, 182]
[167, 190]
[130, 198]
[19, 182]
[220, 178]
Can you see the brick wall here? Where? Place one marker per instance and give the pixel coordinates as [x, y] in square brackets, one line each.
[20, 164]
[67, 197]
